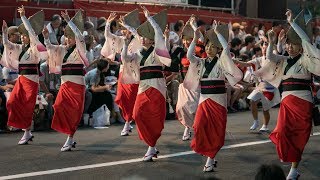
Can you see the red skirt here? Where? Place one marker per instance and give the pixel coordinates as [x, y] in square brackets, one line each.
[149, 114]
[293, 128]
[22, 102]
[126, 97]
[209, 128]
[68, 108]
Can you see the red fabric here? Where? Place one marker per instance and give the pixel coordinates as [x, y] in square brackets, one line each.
[185, 62]
[200, 52]
[268, 95]
[126, 97]
[293, 128]
[22, 102]
[149, 114]
[68, 108]
[209, 128]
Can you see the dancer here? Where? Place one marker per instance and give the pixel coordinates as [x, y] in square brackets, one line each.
[210, 73]
[293, 72]
[25, 58]
[187, 99]
[69, 103]
[150, 106]
[126, 91]
[264, 92]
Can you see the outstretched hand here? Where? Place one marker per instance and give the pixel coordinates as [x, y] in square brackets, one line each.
[4, 27]
[289, 16]
[121, 21]
[215, 26]
[65, 15]
[145, 11]
[111, 17]
[22, 11]
[272, 37]
[45, 32]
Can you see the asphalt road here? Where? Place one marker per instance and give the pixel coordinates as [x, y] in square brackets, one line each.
[104, 154]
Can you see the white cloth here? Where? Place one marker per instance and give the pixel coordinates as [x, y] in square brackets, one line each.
[223, 69]
[159, 57]
[57, 53]
[187, 105]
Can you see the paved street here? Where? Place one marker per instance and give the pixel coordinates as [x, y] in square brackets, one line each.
[104, 154]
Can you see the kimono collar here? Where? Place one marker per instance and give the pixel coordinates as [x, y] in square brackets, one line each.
[294, 59]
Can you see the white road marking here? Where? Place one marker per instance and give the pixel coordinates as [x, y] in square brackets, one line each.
[77, 168]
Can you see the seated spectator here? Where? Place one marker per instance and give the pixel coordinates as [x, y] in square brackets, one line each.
[270, 172]
[95, 82]
[249, 44]
[235, 47]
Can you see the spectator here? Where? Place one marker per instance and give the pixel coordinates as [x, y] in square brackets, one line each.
[95, 82]
[53, 28]
[235, 47]
[249, 44]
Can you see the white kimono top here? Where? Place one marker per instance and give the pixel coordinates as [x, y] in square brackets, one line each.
[308, 63]
[37, 51]
[158, 57]
[114, 44]
[224, 68]
[78, 56]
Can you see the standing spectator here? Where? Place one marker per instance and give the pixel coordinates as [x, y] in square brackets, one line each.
[53, 28]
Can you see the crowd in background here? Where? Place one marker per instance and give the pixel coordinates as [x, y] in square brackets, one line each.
[246, 43]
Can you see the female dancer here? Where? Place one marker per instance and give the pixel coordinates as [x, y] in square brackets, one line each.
[210, 73]
[26, 58]
[293, 72]
[69, 103]
[150, 106]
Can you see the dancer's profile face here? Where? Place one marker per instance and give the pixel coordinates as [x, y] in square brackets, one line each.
[145, 42]
[211, 49]
[293, 49]
[186, 42]
[25, 39]
[71, 41]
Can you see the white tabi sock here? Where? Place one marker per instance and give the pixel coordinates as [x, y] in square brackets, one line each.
[293, 173]
[151, 150]
[69, 141]
[186, 131]
[126, 126]
[27, 134]
[210, 161]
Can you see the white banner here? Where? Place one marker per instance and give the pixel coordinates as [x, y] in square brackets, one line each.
[160, 1]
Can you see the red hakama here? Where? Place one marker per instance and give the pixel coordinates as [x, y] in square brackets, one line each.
[149, 114]
[293, 128]
[209, 127]
[68, 108]
[126, 97]
[22, 102]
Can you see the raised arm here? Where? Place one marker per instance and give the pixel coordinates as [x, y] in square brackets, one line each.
[296, 28]
[45, 33]
[133, 31]
[190, 54]
[270, 55]
[124, 53]
[161, 50]
[26, 22]
[194, 26]
[5, 40]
